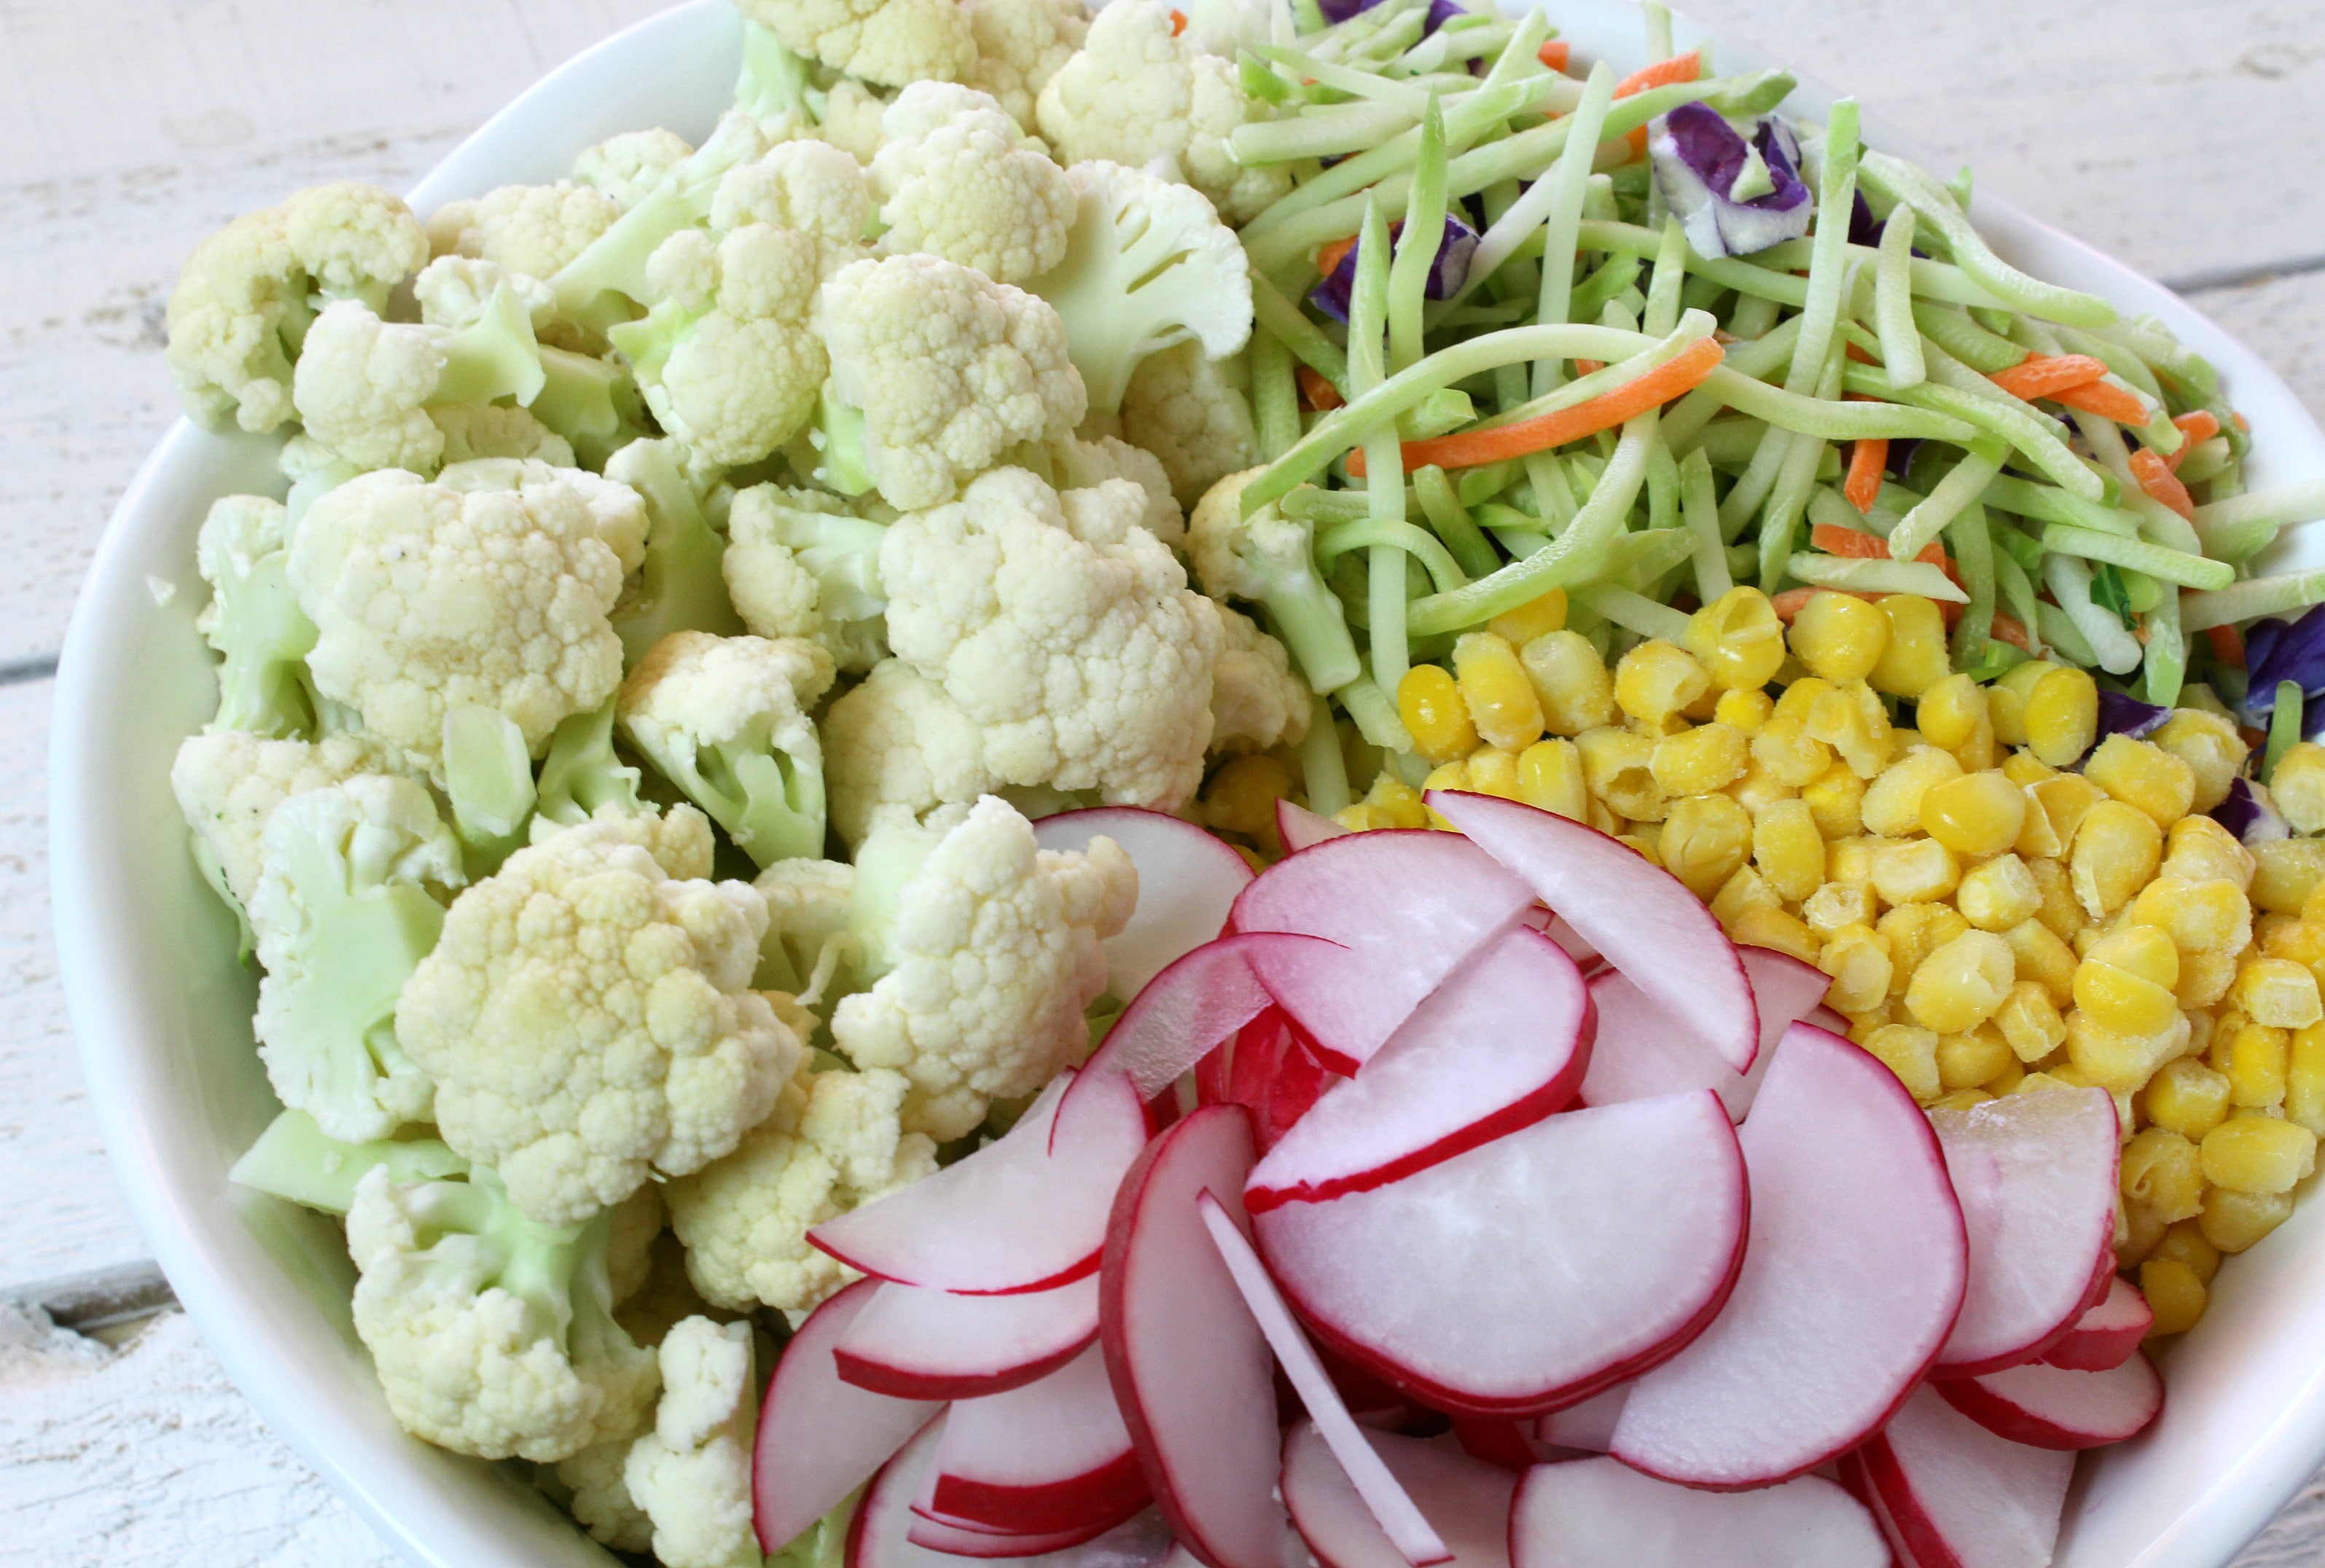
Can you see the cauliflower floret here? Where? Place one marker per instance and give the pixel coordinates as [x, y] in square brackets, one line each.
[983, 949]
[1194, 413]
[1082, 463]
[533, 229]
[1270, 559]
[1063, 630]
[626, 166]
[799, 564]
[808, 903]
[1020, 45]
[229, 783]
[429, 597]
[888, 42]
[1138, 90]
[959, 179]
[805, 185]
[833, 1142]
[598, 1497]
[851, 119]
[1257, 702]
[253, 620]
[365, 387]
[899, 746]
[480, 432]
[949, 368]
[692, 1473]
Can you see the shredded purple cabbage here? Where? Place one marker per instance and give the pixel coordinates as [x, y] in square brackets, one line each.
[1699, 157]
[1447, 272]
[1439, 11]
[1864, 228]
[2278, 651]
[1901, 455]
[2127, 716]
[2250, 814]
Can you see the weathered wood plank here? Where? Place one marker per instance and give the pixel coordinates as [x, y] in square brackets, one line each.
[2284, 320]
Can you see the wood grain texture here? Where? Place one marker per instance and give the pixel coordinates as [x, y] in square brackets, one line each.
[2284, 319]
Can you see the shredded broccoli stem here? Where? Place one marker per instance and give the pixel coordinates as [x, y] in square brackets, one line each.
[1274, 395]
[1876, 576]
[2251, 599]
[1901, 181]
[1323, 770]
[1892, 295]
[2157, 520]
[1757, 359]
[1571, 180]
[1987, 353]
[2287, 504]
[1384, 452]
[2046, 503]
[2283, 727]
[1302, 336]
[1668, 282]
[2068, 579]
[1999, 415]
[2165, 669]
[1442, 504]
[1633, 611]
[1795, 478]
[1952, 496]
[1371, 533]
[2015, 589]
[1376, 715]
[1418, 243]
[1701, 505]
[2170, 566]
[1328, 132]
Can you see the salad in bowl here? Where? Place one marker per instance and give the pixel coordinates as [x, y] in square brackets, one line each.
[1262, 782]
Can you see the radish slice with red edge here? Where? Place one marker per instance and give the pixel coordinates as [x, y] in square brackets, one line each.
[1852, 1281]
[2055, 1408]
[1959, 1497]
[1186, 1010]
[1190, 1367]
[1403, 1524]
[1466, 1500]
[2036, 1176]
[2108, 1334]
[1831, 1022]
[1597, 1513]
[1298, 827]
[1052, 1455]
[1645, 1054]
[1589, 1425]
[819, 1439]
[912, 1343]
[1268, 1070]
[1497, 1047]
[1026, 1213]
[1187, 883]
[1532, 1271]
[1409, 906]
[882, 1532]
[1639, 917]
[1505, 1442]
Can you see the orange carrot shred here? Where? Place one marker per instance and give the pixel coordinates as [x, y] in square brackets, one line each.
[1317, 392]
[1469, 448]
[1867, 461]
[1855, 544]
[1663, 73]
[1178, 23]
[1860, 356]
[2007, 629]
[2040, 375]
[2155, 476]
[2109, 402]
[2199, 425]
[1329, 256]
[1590, 366]
[2228, 645]
[1557, 54]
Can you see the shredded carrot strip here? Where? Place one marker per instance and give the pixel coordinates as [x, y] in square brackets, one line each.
[1860, 356]
[2200, 426]
[1329, 256]
[1178, 23]
[2228, 645]
[2155, 476]
[1867, 461]
[2007, 629]
[1557, 54]
[2109, 402]
[2243, 423]
[2040, 375]
[1469, 448]
[1854, 544]
[1589, 366]
[1316, 391]
[1678, 67]
[1791, 601]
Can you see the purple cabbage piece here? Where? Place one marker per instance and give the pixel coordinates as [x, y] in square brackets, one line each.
[1697, 158]
[1439, 11]
[1901, 455]
[2278, 651]
[1864, 228]
[2127, 716]
[2250, 814]
[1447, 272]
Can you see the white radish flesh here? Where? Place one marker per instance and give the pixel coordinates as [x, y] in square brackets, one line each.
[1298, 827]
[2108, 1334]
[1640, 918]
[1597, 1513]
[2055, 1407]
[1643, 1053]
[1589, 1425]
[890, 1531]
[1852, 1281]
[1408, 906]
[912, 1343]
[1052, 1455]
[1532, 1271]
[1959, 1497]
[1500, 1044]
[1190, 1007]
[1467, 1499]
[1187, 883]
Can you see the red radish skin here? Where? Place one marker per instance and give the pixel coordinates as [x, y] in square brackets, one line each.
[1831, 1022]
[1500, 1044]
[1534, 1270]
[1852, 1281]
[1185, 1012]
[1467, 1499]
[1589, 1426]
[1959, 1497]
[1187, 883]
[1298, 827]
[889, 1532]
[2108, 1334]
[2055, 1408]
[1409, 906]
[1505, 1442]
[819, 1439]
[951, 1540]
[2036, 1178]
[1268, 1069]
[912, 1343]
[1597, 1513]
[1027, 1214]
[1191, 1371]
[1050, 1456]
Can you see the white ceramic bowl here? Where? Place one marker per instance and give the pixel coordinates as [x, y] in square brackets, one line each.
[161, 1011]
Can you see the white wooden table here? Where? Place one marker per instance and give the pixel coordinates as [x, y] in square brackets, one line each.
[2181, 138]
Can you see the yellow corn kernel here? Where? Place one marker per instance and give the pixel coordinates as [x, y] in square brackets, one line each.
[2043, 958]
[1788, 849]
[1493, 687]
[2210, 916]
[2006, 1081]
[2006, 699]
[1746, 889]
[2022, 768]
[1619, 767]
[1967, 1061]
[1915, 658]
[2123, 1003]
[1960, 1100]
[2274, 930]
[1835, 904]
[2185, 1244]
[2055, 809]
[2063, 716]
[1401, 801]
[2060, 912]
[1494, 771]
[1241, 797]
[1550, 777]
[2204, 978]
[2285, 873]
[1979, 753]
[1705, 838]
[2279, 993]
[1892, 802]
[1839, 636]
[1786, 750]
[1916, 870]
[1961, 984]
[2201, 1027]
[1743, 711]
[2209, 743]
[1861, 1024]
[1859, 961]
[2164, 1172]
[2304, 1078]
[1797, 700]
[1430, 705]
[1603, 820]
[1999, 893]
[2303, 940]
[1949, 711]
[2258, 1154]
[2233, 1220]
[1453, 775]
[1914, 932]
[1656, 679]
[2138, 950]
[1570, 682]
[1761, 926]
[1534, 618]
[1738, 640]
[2298, 787]
[2148, 777]
[1363, 816]
[1700, 761]
[1702, 709]
[2120, 1063]
[1836, 798]
[2188, 1097]
[2201, 850]
[2254, 1062]
[2118, 848]
[2136, 1232]
[2029, 1023]
[1758, 790]
[1850, 860]
[1912, 1054]
[1976, 814]
[1851, 720]
[1642, 845]
[2174, 1294]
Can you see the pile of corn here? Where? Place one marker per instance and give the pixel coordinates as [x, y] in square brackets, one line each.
[2004, 901]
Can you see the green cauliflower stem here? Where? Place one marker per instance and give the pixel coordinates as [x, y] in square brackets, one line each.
[581, 774]
[1268, 558]
[254, 621]
[800, 564]
[295, 1159]
[681, 586]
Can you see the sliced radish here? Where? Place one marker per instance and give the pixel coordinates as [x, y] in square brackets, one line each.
[1298, 827]
[949, 1539]
[1589, 1425]
[1852, 1282]
[1190, 1367]
[819, 1438]
[1831, 1022]
[1585, 956]
[1468, 1500]
[1026, 1213]
[888, 1531]
[1187, 883]
[1408, 907]
[2036, 1178]
[1268, 1069]
[2055, 1407]
[1532, 1271]
[912, 1343]
[1197, 1001]
[1052, 1455]
[1392, 1511]
[2108, 1334]
[1959, 1497]
[1645, 1054]
[1783, 986]
[1507, 1442]
[1596, 1513]
[1499, 1046]
[1640, 918]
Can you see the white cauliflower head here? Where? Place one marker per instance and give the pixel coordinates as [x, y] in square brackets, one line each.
[888, 42]
[365, 387]
[808, 903]
[1194, 413]
[532, 229]
[692, 1473]
[626, 166]
[1020, 45]
[810, 186]
[898, 746]
[230, 784]
[959, 179]
[1257, 702]
[592, 1490]
[1080, 464]
[851, 119]
[800, 564]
